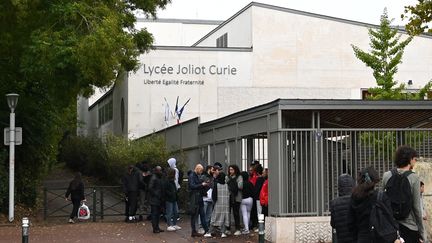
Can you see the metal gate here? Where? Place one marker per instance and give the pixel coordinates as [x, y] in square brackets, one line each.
[312, 160]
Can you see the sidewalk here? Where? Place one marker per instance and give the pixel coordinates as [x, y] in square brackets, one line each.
[108, 232]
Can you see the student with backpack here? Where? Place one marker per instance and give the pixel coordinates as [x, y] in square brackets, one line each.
[402, 186]
[369, 206]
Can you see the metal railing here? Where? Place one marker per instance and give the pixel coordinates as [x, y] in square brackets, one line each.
[102, 201]
[312, 160]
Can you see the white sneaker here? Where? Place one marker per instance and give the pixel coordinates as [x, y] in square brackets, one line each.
[224, 235]
[245, 232]
[177, 227]
[171, 228]
[256, 230]
[207, 235]
[201, 231]
[71, 221]
[237, 233]
[227, 232]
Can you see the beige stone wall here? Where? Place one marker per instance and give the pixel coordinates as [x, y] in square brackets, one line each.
[298, 229]
[424, 169]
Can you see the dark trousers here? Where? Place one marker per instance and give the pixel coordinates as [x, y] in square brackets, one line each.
[265, 210]
[131, 203]
[76, 204]
[254, 215]
[199, 210]
[155, 216]
[410, 236]
[235, 207]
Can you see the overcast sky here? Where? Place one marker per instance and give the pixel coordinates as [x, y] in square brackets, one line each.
[368, 11]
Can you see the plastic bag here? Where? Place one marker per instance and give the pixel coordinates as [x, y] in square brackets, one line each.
[83, 212]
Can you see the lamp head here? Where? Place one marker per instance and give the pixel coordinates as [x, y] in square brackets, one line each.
[12, 100]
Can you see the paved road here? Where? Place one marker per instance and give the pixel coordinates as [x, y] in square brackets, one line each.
[107, 232]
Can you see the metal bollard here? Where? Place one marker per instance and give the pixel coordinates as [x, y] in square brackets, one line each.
[261, 228]
[25, 229]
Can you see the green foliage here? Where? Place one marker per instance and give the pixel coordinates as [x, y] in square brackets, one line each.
[386, 53]
[109, 159]
[53, 51]
[419, 17]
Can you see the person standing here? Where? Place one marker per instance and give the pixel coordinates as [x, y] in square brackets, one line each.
[264, 194]
[171, 198]
[76, 192]
[411, 227]
[156, 198]
[196, 186]
[207, 198]
[247, 201]
[339, 210]
[235, 186]
[131, 184]
[172, 162]
[256, 208]
[220, 195]
[363, 199]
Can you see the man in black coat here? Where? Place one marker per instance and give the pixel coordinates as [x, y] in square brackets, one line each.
[339, 209]
[131, 184]
[156, 197]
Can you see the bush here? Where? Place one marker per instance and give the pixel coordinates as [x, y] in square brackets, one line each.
[109, 159]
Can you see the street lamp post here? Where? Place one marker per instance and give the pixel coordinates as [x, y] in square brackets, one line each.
[12, 100]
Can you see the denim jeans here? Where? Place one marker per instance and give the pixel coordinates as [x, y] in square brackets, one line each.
[171, 213]
[208, 210]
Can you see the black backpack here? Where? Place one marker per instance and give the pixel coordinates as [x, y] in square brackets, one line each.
[384, 228]
[398, 189]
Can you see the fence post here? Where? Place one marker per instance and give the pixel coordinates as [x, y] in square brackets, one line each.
[101, 203]
[94, 204]
[25, 230]
[261, 226]
[45, 202]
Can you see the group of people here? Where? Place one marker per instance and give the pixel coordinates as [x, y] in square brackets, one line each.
[215, 196]
[362, 213]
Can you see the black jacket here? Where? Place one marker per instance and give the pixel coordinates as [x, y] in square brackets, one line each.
[132, 182]
[247, 190]
[156, 190]
[195, 188]
[359, 217]
[257, 188]
[340, 210]
[170, 191]
[76, 193]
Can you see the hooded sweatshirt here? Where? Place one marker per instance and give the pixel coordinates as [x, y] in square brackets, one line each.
[172, 162]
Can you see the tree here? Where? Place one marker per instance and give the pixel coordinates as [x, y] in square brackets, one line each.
[419, 17]
[51, 51]
[386, 54]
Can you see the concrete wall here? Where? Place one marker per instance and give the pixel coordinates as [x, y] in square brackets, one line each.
[424, 170]
[176, 32]
[298, 229]
[149, 92]
[239, 32]
[121, 92]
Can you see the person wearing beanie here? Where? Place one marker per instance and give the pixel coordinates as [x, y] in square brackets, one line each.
[339, 209]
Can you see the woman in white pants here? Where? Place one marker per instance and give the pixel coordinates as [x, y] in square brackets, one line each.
[247, 201]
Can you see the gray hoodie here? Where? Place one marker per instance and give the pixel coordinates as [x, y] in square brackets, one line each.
[172, 162]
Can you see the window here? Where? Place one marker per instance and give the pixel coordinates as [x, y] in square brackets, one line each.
[222, 41]
[105, 113]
